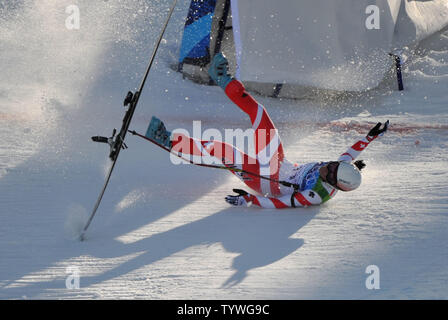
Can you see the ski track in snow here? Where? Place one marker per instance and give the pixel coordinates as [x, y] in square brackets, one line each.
[164, 231]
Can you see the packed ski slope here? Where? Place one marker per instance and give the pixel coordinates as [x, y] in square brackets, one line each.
[164, 231]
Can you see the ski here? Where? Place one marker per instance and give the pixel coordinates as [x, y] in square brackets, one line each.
[117, 143]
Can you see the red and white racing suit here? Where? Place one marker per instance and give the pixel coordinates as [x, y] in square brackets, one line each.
[269, 160]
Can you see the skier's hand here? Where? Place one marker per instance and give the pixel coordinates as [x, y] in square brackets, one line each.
[359, 164]
[218, 70]
[377, 130]
[237, 200]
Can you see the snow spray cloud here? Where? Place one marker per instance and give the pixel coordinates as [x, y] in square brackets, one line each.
[52, 52]
[237, 147]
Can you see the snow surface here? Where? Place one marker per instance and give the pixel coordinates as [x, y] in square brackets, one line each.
[164, 231]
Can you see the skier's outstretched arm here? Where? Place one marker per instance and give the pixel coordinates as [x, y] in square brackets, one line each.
[355, 150]
[299, 199]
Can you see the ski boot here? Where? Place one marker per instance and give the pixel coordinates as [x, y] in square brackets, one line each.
[158, 133]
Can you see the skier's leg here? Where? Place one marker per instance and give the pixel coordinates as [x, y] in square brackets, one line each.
[200, 151]
[237, 93]
[268, 147]
[269, 150]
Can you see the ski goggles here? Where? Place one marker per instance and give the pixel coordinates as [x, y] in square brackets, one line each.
[331, 176]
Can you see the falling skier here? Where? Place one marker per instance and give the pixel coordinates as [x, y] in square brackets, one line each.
[281, 183]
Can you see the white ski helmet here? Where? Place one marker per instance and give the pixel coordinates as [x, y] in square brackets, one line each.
[348, 177]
